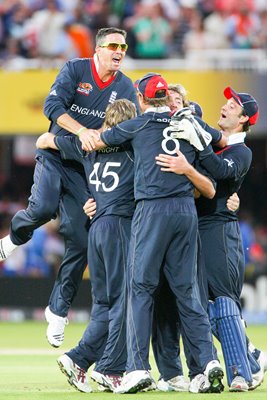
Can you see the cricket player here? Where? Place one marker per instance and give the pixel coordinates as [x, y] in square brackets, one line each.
[76, 103]
[110, 176]
[163, 237]
[219, 231]
[166, 327]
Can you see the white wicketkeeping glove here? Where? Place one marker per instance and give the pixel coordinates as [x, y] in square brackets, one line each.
[180, 114]
[189, 129]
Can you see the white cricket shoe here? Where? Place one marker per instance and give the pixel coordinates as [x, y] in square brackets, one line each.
[134, 381]
[151, 387]
[107, 382]
[199, 384]
[77, 377]
[258, 378]
[6, 247]
[176, 384]
[215, 374]
[239, 384]
[262, 360]
[56, 327]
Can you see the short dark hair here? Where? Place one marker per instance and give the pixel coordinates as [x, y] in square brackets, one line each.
[103, 32]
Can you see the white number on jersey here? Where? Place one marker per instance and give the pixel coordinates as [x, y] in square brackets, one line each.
[94, 178]
[169, 142]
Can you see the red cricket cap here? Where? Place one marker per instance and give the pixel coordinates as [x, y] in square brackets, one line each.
[153, 86]
[246, 101]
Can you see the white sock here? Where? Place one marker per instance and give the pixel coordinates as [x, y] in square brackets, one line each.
[7, 246]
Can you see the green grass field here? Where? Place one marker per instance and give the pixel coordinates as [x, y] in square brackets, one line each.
[28, 368]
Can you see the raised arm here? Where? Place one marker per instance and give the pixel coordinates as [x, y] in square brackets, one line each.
[85, 135]
[94, 141]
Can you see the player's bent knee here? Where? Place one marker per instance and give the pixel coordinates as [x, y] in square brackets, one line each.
[42, 212]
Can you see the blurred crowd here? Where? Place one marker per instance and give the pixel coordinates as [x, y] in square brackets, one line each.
[254, 237]
[57, 30]
[42, 255]
[39, 258]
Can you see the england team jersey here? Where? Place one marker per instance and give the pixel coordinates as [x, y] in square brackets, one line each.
[109, 173]
[149, 136]
[228, 167]
[79, 92]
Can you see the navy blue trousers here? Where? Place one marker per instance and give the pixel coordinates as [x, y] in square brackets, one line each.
[167, 329]
[58, 187]
[164, 238]
[104, 339]
[224, 259]
[221, 252]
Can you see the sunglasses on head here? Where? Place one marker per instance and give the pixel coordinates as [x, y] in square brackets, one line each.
[115, 46]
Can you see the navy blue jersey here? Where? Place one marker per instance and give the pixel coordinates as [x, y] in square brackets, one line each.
[109, 172]
[149, 136]
[79, 92]
[228, 167]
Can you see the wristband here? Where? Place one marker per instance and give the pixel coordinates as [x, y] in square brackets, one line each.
[83, 128]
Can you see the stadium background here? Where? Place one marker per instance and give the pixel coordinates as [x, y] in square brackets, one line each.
[25, 78]
[22, 121]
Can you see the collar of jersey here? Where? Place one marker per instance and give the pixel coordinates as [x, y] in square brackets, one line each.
[95, 69]
[158, 109]
[236, 138]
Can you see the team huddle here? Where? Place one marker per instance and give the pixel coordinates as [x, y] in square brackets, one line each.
[146, 194]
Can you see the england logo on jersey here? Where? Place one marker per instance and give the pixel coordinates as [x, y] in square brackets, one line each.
[84, 88]
[113, 96]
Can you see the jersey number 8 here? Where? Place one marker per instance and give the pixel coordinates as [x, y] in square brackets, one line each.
[169, 142]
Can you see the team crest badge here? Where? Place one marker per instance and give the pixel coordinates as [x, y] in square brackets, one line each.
[112, 97]
[84, 88]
